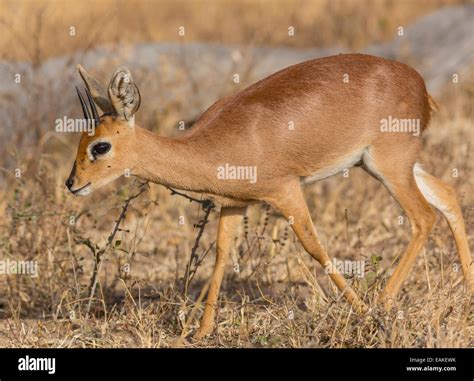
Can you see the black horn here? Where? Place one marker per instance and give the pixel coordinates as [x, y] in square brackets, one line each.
[85, 110]
[95, 114]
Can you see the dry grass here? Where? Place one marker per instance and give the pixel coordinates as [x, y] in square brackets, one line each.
[28, 27]
[279, 297]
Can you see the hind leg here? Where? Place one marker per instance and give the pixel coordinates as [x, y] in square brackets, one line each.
[394, 168]
[443, 198]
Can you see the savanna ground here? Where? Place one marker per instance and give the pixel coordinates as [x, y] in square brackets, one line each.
[273, 294]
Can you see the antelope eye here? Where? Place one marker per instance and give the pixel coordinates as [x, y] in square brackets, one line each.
[100, 148]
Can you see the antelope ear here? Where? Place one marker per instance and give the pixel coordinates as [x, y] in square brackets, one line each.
[97, 90]
[124, 95]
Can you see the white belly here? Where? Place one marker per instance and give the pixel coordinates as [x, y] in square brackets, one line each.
[342, 164]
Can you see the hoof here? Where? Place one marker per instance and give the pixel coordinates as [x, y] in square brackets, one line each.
[386, 302]
[362, 308]
[180, 342]
[202, 332]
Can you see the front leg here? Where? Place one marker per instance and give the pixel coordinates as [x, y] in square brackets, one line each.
[230, 219]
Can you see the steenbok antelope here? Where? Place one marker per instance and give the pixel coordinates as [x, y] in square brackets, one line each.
[301, 124]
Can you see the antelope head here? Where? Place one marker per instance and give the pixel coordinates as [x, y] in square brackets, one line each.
[108, 153]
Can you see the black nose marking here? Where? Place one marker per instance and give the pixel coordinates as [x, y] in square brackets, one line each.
[70, 181]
